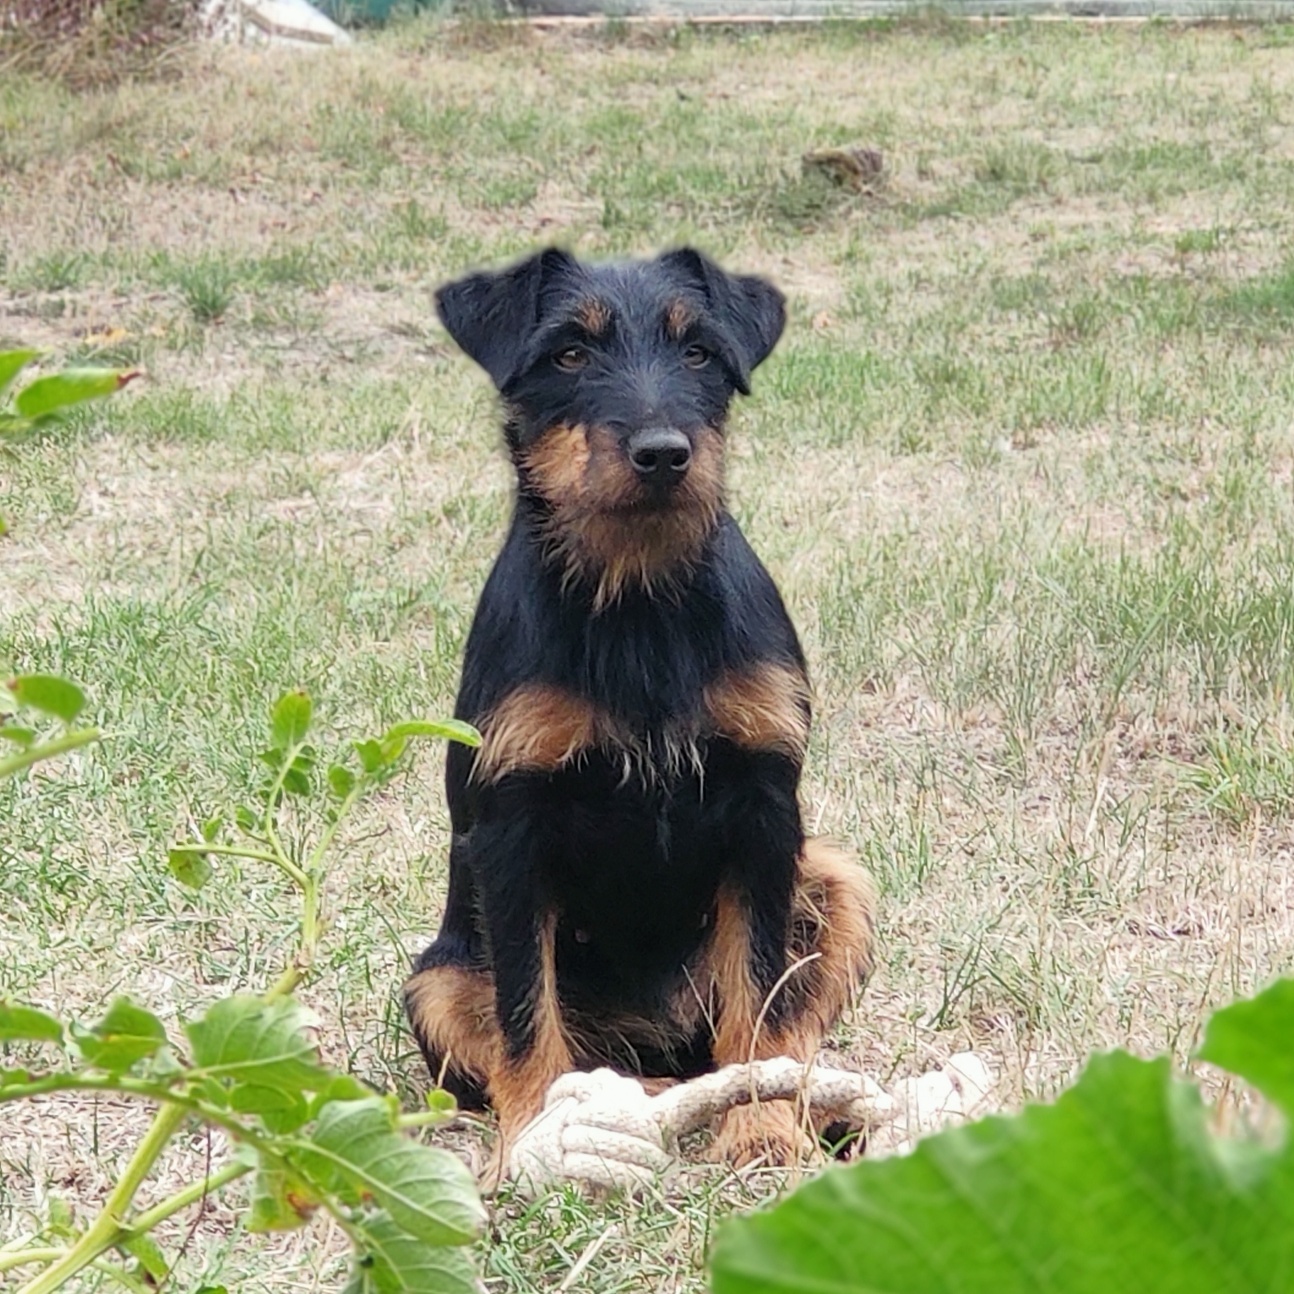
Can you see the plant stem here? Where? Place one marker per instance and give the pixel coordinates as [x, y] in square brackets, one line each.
[271, 804]
[325, 840]
[21, 1257]
[195, 1191]
[426, 1118]
[238, 851]
[311, 881]
[68, 1082]
[164, 1096]
[51, 749]
[110, 1226]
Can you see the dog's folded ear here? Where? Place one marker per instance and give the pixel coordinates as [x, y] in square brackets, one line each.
[750, 310]
[492, 315]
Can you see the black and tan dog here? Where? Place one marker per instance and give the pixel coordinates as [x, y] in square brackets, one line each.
[630, 884]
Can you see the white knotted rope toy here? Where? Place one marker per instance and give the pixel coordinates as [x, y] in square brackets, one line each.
[602, 1129]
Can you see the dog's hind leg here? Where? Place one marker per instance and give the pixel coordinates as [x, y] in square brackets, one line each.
[829, 954]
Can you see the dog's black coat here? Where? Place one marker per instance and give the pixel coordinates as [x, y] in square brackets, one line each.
[629, 858]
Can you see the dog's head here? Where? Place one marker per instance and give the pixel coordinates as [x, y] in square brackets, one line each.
[617, 379]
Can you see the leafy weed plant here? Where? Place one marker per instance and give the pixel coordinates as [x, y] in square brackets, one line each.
[249, 1065]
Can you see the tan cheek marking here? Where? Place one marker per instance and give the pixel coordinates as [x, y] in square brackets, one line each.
[534, 729]
[705, 477]
[612, 482]
[558, 463]
[764, 708]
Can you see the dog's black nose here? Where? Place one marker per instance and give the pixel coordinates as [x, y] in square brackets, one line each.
[660, 453]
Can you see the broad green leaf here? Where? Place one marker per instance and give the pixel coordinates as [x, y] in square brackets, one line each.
[189, 866]
[211, 828]
[49, 694]
[1255, 1040]
[244, 1039]
[124, 1037]
[290, 720]
[59, 391]
[391, 1261]
[14, 1078]
[1118, 1185]
[446, 729]
[370, 755]
[356, 1153]
[245, 818]
[21, 737]
[281, 1201]
[25, 1023]
[146, 1251]
[12, 362]
[279, 1111]
[341, 780]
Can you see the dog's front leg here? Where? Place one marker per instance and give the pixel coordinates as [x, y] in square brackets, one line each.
[757, 1016]
[509, 852]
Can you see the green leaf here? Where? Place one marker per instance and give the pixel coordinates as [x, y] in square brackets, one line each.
[26, 1024]
[370, 755]
[391, 1261]
[14, 1078]
[59, 391]
[211, 828]
[1255, 1040]
[59, 1220]
[447, 729]
[290, 720]
[21, 737]
[146, 1251]
[1119, 1185]
[281, 1201]
[296, 781]
[49, 694]
[344, 1087]
[245, 818]
[124, 1037]
[356, 1153]
[441, 1102]
[12, 362]
[244, 1039]
[189, 866]
[281, 1112]
[341, 781]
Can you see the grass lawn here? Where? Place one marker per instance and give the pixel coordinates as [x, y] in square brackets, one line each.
[1022, 466]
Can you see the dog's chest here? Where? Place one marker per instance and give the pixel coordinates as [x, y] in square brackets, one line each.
[638, 861]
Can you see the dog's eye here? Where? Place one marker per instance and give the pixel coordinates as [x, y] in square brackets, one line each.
[696, 357]
[572, 359]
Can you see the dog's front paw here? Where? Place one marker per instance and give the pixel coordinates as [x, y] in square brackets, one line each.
[768, 1133]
